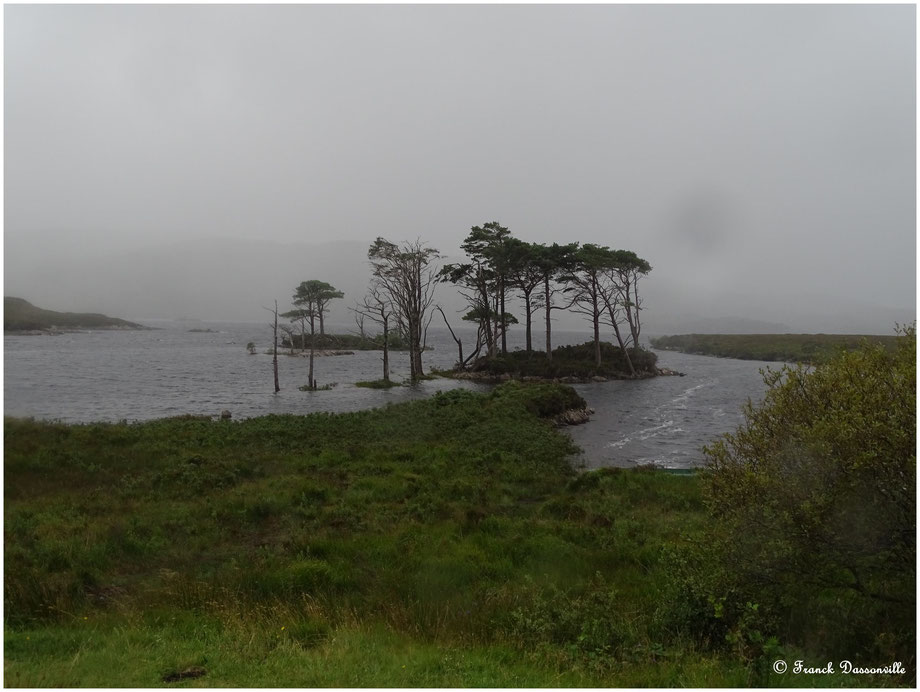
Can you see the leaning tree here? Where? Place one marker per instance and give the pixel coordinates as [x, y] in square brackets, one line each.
[485, 281]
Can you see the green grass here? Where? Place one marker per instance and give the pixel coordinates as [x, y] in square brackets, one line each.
[378, 384]
[800, 348]
[444, 542]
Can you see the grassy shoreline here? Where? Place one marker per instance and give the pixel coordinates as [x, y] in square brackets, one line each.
[441, 542]
[796, 348]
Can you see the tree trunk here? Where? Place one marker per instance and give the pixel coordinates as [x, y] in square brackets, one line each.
[311, 384]
[597, 338]
[494, 345]
[415, 368]
[616, 331]
[634, 317]
[322, 329]
[386, 349]
[275, 350]
[460, 364]
[501, 316]
[417, 351]
[549, 345]
[529, 322]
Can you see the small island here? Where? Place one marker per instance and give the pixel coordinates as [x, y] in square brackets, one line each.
[569, 364]
[22, 317]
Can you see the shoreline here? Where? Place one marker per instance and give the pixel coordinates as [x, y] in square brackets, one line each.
[488, 378]
[54, 331]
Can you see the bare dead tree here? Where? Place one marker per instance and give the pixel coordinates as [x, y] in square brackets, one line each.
[274, 327]
[376, 306]
[406, 276]
[289, 331]
[461, 363]
[359, 323]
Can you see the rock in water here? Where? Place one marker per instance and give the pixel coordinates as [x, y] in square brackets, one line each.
[225, 415]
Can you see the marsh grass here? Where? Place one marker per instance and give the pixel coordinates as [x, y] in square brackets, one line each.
[444, 542]
[378, 384]
[797, 348]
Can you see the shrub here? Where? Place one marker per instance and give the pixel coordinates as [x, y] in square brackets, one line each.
[815, 503]
[544, 400]
[568, 361]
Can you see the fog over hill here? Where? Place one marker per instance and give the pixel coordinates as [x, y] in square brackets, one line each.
[202, 160]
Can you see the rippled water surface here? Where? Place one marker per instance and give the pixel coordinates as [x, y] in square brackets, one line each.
[115, 375]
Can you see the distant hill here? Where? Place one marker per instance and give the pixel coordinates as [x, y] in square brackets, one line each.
[20, 315]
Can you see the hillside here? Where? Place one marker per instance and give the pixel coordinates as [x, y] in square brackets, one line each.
[20, 315]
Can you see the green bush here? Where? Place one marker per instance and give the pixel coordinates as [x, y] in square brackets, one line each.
[815, 506]
[544, 400]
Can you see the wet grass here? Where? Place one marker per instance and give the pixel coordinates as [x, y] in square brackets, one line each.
[444, 542]
[798, 348]
[378, 384]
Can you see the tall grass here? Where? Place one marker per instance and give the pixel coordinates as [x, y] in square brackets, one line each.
[444, 542]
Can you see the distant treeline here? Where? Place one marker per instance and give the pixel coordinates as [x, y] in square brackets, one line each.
[798, 348]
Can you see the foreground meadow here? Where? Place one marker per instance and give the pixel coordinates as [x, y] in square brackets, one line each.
[444, 542]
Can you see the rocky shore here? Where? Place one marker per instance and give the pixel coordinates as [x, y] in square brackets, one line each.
[574, 416]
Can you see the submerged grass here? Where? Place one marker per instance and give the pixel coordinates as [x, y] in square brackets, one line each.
[444, 542]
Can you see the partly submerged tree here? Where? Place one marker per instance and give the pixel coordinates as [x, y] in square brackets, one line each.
[406, 276]
[310, 299]
[274, 326]
[376, 307]
[298, 315]
[289, 332]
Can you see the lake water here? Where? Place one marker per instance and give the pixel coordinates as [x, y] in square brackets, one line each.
[116, 375]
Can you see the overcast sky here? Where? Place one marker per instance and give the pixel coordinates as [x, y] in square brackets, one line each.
[762, 158]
